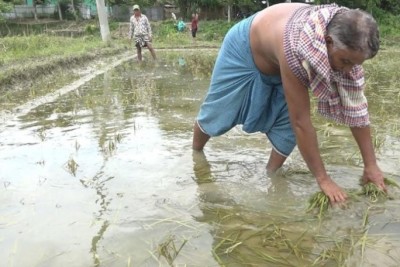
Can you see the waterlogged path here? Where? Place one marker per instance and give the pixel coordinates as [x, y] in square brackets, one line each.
[101, 173]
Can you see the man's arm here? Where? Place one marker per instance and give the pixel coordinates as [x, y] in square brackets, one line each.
[148, 26]
[298, 101]
[131, 28]
[372, 173]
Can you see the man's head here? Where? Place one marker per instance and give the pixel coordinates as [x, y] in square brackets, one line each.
[136, 9]
[354, 30]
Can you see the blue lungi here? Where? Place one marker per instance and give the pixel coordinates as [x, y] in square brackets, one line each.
[239, 94]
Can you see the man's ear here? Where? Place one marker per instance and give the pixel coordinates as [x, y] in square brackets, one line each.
[328, 40]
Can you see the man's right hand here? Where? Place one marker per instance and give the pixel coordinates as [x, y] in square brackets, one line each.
[335, 193]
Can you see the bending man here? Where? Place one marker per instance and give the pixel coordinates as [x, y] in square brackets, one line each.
[264, 69]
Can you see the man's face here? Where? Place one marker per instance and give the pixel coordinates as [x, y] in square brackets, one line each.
[136, 12]
[343, 59]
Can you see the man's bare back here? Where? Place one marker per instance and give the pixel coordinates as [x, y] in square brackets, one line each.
[266, 36]
[236, 80]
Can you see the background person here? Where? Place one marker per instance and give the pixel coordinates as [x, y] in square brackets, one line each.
[262, 74]
[194, 25]
[140, 30]
[181, 25]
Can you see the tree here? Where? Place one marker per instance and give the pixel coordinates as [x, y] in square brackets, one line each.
[103, 19]
[4, 7]
[230, 4]
[73, 10]
[60, 16]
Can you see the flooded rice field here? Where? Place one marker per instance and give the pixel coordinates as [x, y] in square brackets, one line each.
[104, 175]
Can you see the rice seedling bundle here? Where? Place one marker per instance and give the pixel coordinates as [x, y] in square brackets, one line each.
[320, 202]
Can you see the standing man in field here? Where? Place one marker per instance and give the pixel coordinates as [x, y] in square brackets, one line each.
[264, 69]
[140, 30]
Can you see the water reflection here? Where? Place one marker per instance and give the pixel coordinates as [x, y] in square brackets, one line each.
[98, 183]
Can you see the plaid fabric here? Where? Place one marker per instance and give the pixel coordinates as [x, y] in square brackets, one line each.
[340, 95]
[139, 26]
[142, 40]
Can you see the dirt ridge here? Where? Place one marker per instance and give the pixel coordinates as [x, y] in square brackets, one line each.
[18, 75]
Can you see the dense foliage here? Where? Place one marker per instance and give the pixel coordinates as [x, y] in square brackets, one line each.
[4, 7]
[387, 12]
[392, 6]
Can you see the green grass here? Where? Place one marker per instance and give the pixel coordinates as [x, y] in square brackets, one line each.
[389, 24]
[17, 48]
[209, 33]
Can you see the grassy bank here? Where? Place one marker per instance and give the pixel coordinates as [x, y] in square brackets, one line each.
[32, 56]
[27, 58]
[18, 49]
[15, 49]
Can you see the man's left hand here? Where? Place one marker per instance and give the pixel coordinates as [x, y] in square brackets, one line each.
[374, 175]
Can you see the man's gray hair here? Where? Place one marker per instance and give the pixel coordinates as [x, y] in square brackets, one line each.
[357, 30]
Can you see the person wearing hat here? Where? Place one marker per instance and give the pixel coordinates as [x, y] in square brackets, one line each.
[140, 30]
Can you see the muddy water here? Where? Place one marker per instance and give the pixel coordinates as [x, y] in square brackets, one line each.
[104, 175]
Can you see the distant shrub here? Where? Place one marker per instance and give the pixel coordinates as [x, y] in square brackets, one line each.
[91, 29]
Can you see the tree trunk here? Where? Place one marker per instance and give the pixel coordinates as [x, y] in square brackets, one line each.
[103, 19]
[34, 10]
[74, 10]
[229, 13]
[59, 11]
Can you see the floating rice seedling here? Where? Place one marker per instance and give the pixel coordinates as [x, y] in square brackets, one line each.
[269, 245]
[390, 182]
[335, 251]
[42, 134]
[40, 162]
[32, 92]
[6, 184]
[168, 250]
[90, 103]
[118, 137]
[77, 145]
[72, 166]
[291, 171]
[378, 141]
[111, 145]
[326, 129]
[320, 202]
[267, 239]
